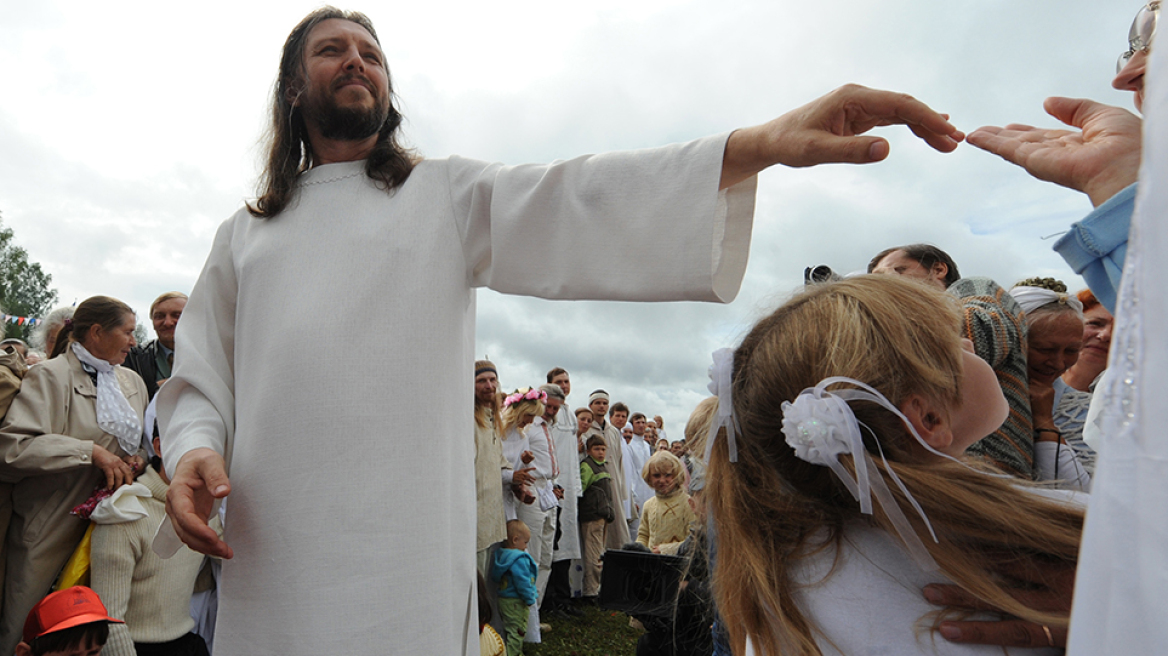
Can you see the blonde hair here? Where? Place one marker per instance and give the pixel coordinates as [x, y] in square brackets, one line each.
[663, 462]
[772, 509]
[516, 528]
[697, 428]
[519, 410]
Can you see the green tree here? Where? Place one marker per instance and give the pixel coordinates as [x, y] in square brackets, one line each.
[25, 289]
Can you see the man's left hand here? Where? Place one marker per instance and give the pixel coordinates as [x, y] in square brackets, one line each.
[827, 130]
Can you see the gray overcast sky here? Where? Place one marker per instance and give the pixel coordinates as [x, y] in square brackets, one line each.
[129, 134]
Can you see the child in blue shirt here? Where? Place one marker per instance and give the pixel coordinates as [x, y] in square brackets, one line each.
[515, 571]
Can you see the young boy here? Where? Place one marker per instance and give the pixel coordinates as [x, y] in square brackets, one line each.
[515, 571]
[595, 511]
[69, 622]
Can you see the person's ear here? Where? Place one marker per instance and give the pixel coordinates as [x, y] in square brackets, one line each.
[929, 421]
[22, 649]
[294, 91]
[940, 270]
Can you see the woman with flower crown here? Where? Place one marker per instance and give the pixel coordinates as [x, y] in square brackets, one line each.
[839, 489]
[520, 409]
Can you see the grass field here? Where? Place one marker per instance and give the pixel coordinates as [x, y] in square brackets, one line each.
[599, 633]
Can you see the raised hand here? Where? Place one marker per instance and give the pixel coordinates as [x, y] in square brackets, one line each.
[1099, 158]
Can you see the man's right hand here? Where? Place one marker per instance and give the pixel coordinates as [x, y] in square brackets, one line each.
[199, 479]
[1099, 159]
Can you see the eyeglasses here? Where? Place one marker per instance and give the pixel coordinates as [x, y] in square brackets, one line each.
[1139, 37]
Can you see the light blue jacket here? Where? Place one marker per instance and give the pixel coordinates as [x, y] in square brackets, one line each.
[515, 572]
[1096, 246]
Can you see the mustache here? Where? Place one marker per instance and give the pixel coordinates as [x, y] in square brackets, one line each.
[368, 84]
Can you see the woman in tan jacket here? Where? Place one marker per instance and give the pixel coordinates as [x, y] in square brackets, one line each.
[76, 423]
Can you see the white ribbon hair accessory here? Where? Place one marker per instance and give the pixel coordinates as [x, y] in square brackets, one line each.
[1032, 298]
[820, 426]
[721, 378]
[114, 413]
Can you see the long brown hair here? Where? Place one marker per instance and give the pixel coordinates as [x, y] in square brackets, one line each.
[109, 313]
[770, 507]
[289, 151]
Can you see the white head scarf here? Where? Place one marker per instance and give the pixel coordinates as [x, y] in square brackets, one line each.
[114, 414]
[1032, 298]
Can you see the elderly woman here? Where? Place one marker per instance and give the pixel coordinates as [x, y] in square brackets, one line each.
[1074, 390]
[76, 425]
[44, 336]
[1054, 323]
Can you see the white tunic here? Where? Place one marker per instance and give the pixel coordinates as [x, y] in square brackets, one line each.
[352, 513]
[564, 434]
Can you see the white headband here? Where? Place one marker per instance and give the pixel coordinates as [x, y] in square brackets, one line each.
[1032, 298]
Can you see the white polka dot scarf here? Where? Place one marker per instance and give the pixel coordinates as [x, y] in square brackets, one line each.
[114, 414]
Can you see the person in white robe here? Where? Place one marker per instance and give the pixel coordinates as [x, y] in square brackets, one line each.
[341, 555]
[637, 452]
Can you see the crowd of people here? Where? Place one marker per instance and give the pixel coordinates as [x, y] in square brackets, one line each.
[84, 490]
[885, 462]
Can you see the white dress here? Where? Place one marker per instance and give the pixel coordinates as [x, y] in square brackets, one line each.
[353, 503]
[869, 601]
[1122, 583]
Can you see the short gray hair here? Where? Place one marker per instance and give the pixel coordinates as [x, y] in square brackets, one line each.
[554, 391]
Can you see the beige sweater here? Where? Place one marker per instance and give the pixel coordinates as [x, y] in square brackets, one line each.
[665, 521]
[152, 595]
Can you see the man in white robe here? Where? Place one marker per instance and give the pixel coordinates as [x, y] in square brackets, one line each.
[567, 543]
[637, 453]
[617, 534]
[374, 552]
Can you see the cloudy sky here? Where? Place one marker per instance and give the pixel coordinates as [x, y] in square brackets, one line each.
[128, 135]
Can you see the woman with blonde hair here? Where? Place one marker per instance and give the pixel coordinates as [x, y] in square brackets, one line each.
[520, 410]
[838, 485]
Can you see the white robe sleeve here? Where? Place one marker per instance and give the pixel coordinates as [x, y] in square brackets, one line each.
[196, 406]
[577, 229]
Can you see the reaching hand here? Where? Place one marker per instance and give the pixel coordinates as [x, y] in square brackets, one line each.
[1100, 158]
[827, 130]
[198, 480]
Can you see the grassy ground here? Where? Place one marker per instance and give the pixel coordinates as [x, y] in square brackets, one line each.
[599, 633]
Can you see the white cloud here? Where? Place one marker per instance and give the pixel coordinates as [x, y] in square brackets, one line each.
[130, 134]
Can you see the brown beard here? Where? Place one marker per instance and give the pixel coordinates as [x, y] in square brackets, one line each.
[344, 123]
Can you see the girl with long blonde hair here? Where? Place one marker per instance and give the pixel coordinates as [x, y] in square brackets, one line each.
[839, 489]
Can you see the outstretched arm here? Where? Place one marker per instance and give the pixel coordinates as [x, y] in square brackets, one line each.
[1099, 158]
[827, 130]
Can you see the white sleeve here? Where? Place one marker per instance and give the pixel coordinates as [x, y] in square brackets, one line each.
[560, 220]
[540, 449]
[196, 406]
[1056, 461]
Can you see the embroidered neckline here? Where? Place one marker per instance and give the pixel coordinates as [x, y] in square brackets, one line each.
[333, 178]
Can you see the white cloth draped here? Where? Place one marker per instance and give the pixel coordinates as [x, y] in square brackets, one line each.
[1122, 585]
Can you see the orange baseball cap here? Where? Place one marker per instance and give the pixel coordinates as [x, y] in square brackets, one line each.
[65, 609]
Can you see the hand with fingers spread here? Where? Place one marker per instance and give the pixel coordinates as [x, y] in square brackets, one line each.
[827, 130]
[199, 479]
[1099, 158]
